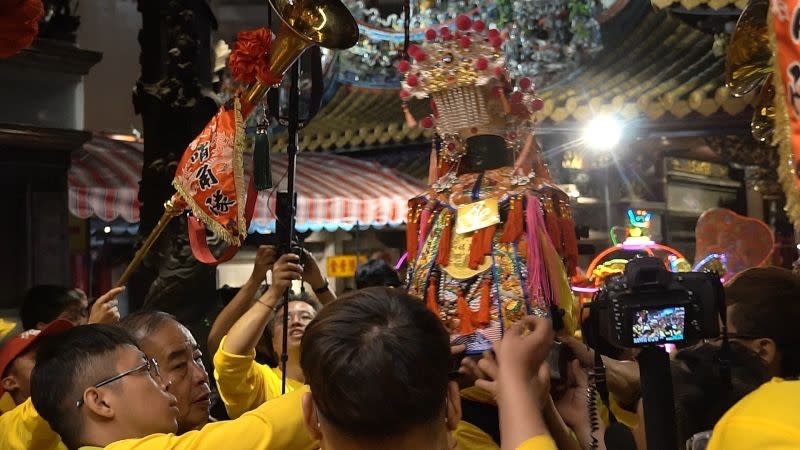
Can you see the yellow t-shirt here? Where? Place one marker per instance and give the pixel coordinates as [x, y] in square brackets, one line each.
[767, 418]
[541, 442]
[22, 428]
[278, 425]
[470, 437]
[244, 384]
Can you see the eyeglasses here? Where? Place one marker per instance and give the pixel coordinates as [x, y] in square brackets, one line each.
[699, 441]
[744, 337]
[149, 364]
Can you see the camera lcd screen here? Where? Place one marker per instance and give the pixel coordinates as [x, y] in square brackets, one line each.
[659, 325]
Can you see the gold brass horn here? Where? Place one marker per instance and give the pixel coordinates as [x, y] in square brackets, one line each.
[327, 23]
[747, 63]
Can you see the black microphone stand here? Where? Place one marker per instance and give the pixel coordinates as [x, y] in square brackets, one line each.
[289, 221]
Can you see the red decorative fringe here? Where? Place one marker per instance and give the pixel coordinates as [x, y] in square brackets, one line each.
[412, 233]
[249, 59]
[464, 315]
[430, 297]
[488, 239]
[426, 217]
[553, 227]
[481, 245]
[19, 25]
[443, 255]
[513, 227]
[481, 319]
[476, 250]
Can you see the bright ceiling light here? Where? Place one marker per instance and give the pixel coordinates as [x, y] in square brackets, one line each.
[602, 133]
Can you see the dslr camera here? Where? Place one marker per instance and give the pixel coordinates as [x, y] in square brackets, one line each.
[647, 305]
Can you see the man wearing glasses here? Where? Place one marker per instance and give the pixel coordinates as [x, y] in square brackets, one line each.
[97, 389]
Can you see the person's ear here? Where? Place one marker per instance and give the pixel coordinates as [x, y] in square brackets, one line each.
[767, 350]
[453, 412]
[310, 417]
[96, 401]
[10, 384]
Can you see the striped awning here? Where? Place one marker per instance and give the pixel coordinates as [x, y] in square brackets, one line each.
[337, 192]
[334, 192]
[104, 180]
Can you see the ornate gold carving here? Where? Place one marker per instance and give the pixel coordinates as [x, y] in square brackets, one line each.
[696, 167]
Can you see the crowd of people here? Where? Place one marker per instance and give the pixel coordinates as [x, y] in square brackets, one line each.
[375, 369]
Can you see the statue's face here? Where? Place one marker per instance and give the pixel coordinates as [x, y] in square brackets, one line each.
[485, 152]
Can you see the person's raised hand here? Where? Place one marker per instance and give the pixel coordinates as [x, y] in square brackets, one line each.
[104, 309]
[311, 272]
[265, 259]
[583, 352]
[286, 269]
[573, 406]
[524, 347]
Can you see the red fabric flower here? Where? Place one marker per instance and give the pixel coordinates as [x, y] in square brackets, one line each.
[19, 25]
[249, 54]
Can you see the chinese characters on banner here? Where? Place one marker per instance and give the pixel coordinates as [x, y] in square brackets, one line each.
[785, 21]
[209, 176]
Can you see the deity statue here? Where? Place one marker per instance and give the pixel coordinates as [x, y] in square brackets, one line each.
[492, 239]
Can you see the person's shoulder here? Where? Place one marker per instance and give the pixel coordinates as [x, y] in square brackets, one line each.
[776, 398]
[768, 416]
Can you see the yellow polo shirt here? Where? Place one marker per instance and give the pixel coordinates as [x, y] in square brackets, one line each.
[541, 442]
[244, 384]
[22, 428]
[767, 418]
[278, 425]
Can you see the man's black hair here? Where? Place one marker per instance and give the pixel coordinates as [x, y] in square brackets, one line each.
[701, 395]
[376, 272]
[68, 365]
[377, 362]
[764, 303]
[44, 303]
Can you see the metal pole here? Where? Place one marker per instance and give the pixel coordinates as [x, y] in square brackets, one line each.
[172, 208]
[291, 150]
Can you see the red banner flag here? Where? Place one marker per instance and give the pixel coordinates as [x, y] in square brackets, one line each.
[785, 23]
[210, 179]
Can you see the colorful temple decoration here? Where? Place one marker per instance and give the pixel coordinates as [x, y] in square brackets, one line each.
[612, 261]
[492, 239]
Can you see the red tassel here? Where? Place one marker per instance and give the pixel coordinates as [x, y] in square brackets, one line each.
[476, 250]
[443, 255]
[430, 297]
[481, 319]
[570, 240]
[426, 216]
[488, 239]
[513, 227]
[464, 315]
[481, 245]
[412, 233]
[553, 228]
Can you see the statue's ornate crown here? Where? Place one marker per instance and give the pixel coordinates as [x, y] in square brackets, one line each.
[463, 72]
